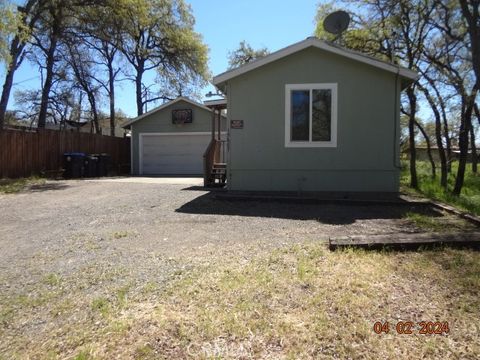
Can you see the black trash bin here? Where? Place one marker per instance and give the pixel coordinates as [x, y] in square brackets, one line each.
[91, 166]
[104, 164]
[73, 163]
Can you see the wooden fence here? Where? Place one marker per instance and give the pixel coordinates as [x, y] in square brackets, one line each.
[25, 153]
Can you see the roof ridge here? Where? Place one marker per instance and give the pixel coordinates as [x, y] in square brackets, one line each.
[321, 44]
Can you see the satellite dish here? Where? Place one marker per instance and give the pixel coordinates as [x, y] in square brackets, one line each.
[337, 22]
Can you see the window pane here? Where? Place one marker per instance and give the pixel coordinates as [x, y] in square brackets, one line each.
[300, 115]
[321, 115]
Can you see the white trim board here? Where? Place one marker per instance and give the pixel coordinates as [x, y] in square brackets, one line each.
[175, 133]
[333, 121]
[320, 44]
[163, 106]
[215, 102]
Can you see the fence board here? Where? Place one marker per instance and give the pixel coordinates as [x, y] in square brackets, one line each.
[26, 153]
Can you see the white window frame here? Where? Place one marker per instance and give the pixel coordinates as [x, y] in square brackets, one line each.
[333, 121]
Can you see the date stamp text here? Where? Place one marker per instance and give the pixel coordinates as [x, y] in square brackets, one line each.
[410, 327]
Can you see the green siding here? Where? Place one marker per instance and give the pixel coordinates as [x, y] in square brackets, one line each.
[161, 122]
[367, 154]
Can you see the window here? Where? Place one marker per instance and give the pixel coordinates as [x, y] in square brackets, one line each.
[311, 115]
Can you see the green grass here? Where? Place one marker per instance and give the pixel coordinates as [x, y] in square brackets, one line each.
[469, 199]
[102, 305]
[12, 186]
[428, 223]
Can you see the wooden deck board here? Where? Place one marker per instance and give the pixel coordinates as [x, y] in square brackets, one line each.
[404, 240]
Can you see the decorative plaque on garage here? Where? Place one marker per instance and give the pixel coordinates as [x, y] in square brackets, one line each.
[182, 116]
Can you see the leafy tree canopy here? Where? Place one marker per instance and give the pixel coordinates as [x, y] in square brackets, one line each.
[10, 25]
[245, 54]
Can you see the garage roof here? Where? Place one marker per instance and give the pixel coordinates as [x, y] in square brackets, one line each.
[163, 106]
[320, 44]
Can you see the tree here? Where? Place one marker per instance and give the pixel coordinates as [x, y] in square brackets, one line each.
[438, 39]
[245, 54]
[395, 31]
[471, 13]
[47, 38]
[100, 31]
[82, 66]
[449, 52]
[9, 27]
[16, 31]
[438, 135]
[158, 35]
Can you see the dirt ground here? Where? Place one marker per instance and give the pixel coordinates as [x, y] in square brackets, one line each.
[96, 237]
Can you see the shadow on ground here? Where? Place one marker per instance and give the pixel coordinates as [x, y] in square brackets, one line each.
[47, 187]
[327, 213]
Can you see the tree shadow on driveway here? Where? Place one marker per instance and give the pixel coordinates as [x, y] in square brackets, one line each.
[327, 212]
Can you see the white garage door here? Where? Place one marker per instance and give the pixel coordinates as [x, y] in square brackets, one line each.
[173, 154]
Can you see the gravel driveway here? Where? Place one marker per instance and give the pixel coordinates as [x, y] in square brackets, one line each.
[167, 216]
[96, 237]
[126, 218]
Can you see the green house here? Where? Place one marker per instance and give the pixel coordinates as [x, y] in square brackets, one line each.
[313, 117]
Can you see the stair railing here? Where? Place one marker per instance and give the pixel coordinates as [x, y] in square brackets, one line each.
[208, 161]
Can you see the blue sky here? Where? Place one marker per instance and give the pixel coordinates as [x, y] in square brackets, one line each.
[223, 24]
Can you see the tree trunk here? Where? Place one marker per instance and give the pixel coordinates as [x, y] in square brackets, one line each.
[448, 144]
[138, 88]
[412, 99]
[473, 147]
[438, 137]
[93, 107]
[429, 149]
[462, 160]
[466, 123]
[477, 112]
[47, 86]
[473, 28]
[7, 88]
[445, 129]
[111, 94]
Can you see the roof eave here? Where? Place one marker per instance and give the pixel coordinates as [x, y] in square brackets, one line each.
[128, 124]
[222, 78]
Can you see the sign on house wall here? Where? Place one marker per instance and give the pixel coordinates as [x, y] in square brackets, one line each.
[236, 124]
[182, 116]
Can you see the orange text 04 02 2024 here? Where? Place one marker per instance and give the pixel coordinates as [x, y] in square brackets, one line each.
[410, 327]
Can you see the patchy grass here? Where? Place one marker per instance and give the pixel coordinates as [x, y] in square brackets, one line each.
[120, 234]
[12, 186]
[52, 279]
[297, 302]
[304, 302]
[443, 224]
[469, 200]
[102, 305]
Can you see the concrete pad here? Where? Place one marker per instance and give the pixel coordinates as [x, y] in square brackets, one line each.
[191, 181]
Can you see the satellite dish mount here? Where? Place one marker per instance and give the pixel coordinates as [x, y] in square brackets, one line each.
[336, 23]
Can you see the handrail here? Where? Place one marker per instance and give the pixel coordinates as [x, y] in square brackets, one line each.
[208, 159]
[214, 154]
[220, 151]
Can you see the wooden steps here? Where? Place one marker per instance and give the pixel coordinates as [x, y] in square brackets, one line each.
[218, 176]
[214, 161]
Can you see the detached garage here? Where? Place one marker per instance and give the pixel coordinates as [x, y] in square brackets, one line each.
[171, 139]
